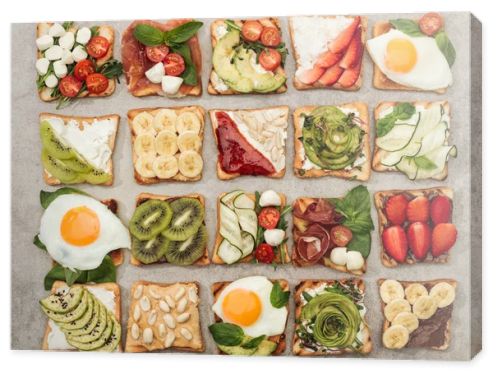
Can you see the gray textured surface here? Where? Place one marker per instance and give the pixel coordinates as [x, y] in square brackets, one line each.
[29, 265]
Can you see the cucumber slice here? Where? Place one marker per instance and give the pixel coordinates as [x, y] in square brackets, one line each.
[248, 244]
[439, 156]
[398, 138]
[408, 166]
[228, 252]
[391, 159]
[247, 219]
[429, 119]
[229, 197]
[229, 226]
[242, 201]
[434, 140]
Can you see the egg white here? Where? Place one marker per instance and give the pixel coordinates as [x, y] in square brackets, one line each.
[271, 321]
[113, 234]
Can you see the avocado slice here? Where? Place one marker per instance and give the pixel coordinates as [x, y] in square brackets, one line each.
[62, 302]
[90, 325]
[262, 82]
[236, 350]
[98, 341]
[70, 316]
[266, 347]
[115, 337]
[96, 332]
[82, 321]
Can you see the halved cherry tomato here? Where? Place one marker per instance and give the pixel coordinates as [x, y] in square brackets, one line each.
[270, 59]
[269, 218]
[340, 235]
[83, 68]
[431, 23]
[157, 53]
[70, 86]
[251, 30]
[270, 37]
[97, 47]
[174, 64]
[97, 83]
[264, 253]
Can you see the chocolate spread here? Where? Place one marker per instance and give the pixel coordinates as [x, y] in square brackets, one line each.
[432, 332]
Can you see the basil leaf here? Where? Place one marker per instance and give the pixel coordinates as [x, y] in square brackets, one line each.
[190, 75]
[148, 35]
[424, 163]
[402, 111]
[182, 33]
[106, 272]
[446, 47]
[38, 242]
[279, 298]
[254, 342]
[232, 25]
[71, 276]
[308, 297]
[408, 27]
[361, 243]
[67, 25]
[47, 197]
[355, 207]
[226, 334]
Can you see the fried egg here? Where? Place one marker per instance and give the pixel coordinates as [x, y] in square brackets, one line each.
[246, 302]
[79, 231]
[411, 61]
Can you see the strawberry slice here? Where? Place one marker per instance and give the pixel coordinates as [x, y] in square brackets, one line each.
[331, 75]
[395, 243]
[440, 210]
[340, 43]
[444, 237]
[395, 209]
[351, 75]
[353, 52]
[310, 76]
[419, 239]
[418, 209]
[327, 59]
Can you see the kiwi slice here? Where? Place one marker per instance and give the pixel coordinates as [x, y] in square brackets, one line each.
[150, 218]
[95, 176]
[78, 164]
[53, 145]
[188, 251]
[149, 251]
[187, 218]
[57, 168]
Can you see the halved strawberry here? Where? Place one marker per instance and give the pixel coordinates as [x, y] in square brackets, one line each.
[327, 59]
[310, 76]
[419, 239]
[444, 237]
[353, 52]
[440, 209]
[351, 75]
[418, 209]
[340, 43]
[395, 209]
[395, 243]
[331, 75]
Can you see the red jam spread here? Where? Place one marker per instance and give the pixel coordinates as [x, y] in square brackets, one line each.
[236, 154]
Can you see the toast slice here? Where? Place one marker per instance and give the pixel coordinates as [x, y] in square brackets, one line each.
[428, 285]
[140, 179]
[299, 348]
[51, 180]
[381, 197]
[143, 197]
[248, 259]
[156, 294]
[222, 175]
[109, 286]
[280, 340]
[212, 82]
[361, 173]
[379, 154]
[317, 85]
[103, 30]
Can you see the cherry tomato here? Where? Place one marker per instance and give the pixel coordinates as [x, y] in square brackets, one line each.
[270, 59]
[340, 235]
[96, 83]
[430, 23]
[97, 47]
[269, 218]
[70, 86]
[157, 53]
[251, 30]
[264, 253]
[83, 68]
[174, 64]
[270, 37]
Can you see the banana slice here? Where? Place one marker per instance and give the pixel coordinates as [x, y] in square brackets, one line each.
[443, 293]
[425, 307]
[188, 121]
[396, 306]
[415, 291]
[189, 141]
[144, 166]
[407, 319]
[165, 166]
[190, 163]
[164, 120]
[391, 289]
[166, 143]
[396, 337]
[145, 145]
[143, 123]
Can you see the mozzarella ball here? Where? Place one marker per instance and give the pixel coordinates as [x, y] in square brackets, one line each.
[42, 65]
[67, 40]
[67, 57]
[56, 30]
[44, 42]
[355, 260]
[155, 73]
[60, 69]
[339, 256]
[83, 35]
[269, 198]
[171, 84]
[274, 237]
[53, 53]
[79, 53]
[51, 81]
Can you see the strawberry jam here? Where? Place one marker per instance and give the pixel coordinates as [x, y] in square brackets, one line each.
[236, 154]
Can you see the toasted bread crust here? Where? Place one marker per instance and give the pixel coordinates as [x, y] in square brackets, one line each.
[361, 175]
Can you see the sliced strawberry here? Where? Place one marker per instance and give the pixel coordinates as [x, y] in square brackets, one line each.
[310, 76]
[327, 59]
[419, 239]
[340, 43]
[440, 210]
[395, 209]
[418, 209]
[351, 75]
[331, 75]
[395, 243]
[353, 52]
[444, 237]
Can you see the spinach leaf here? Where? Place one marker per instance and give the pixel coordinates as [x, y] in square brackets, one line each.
[308, 297]
[446, 47]
[106, 272]
[279, 298]
[424, 163]
[361, 242]
[47, 197]
[402, 111]
[254, 342]
[148, 35]
[38, 242]
[190, 75]
[182, 33]
[408, 27]
[226, 334]
[71, 276]
[355, 207]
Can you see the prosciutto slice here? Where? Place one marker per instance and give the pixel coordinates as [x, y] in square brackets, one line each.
[320, 211]
[313, 244]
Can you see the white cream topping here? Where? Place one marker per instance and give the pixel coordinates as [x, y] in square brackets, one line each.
[217, 82]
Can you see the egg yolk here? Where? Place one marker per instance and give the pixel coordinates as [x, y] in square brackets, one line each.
[80, 226]
[401, 55]
[242, 307]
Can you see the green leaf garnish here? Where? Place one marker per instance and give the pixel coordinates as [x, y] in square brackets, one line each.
[409, 27]
[226, 334]
[279, 297]
[446, 47]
